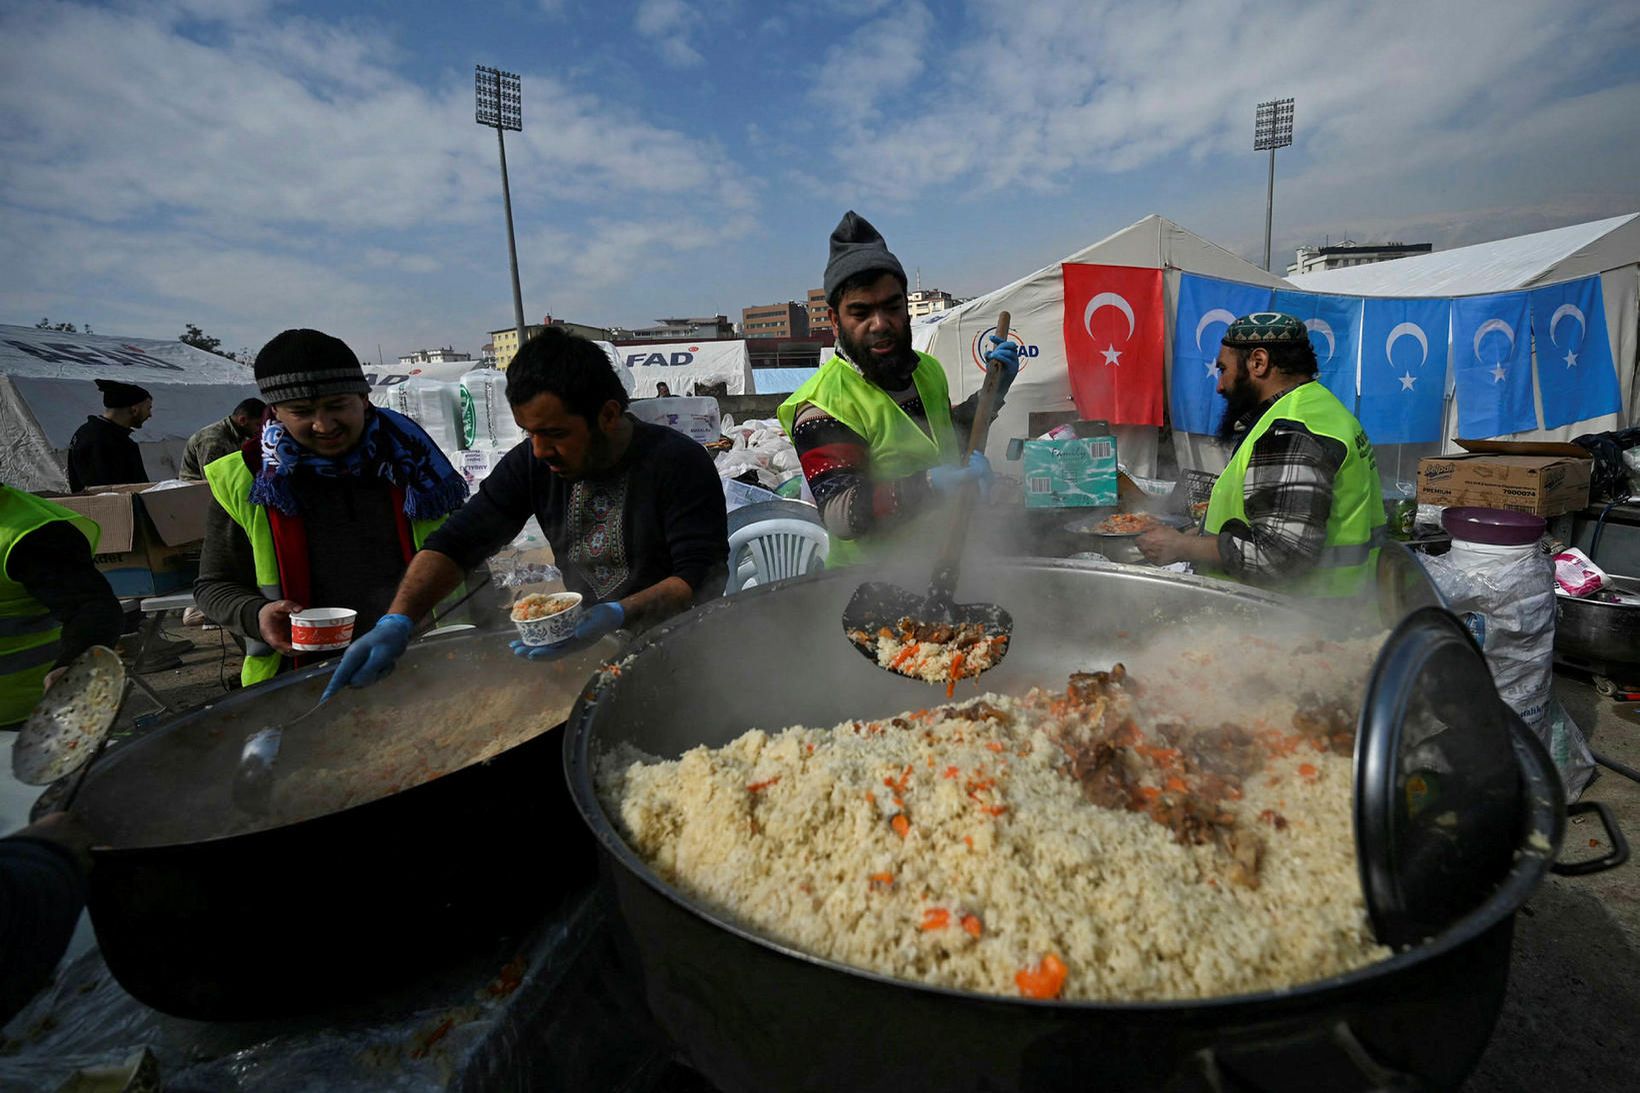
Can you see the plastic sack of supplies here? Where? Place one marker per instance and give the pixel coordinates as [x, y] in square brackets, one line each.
[433, 405]
[1505, 595]
[486, 416]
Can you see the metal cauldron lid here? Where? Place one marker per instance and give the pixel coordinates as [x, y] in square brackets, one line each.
[1438, 800]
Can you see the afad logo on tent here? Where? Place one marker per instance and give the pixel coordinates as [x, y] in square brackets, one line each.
[982, 344]
[658, 360]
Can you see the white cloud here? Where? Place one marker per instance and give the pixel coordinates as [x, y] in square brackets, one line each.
[281, 171]
[1048, 92]
[864, 75]
[669, 25]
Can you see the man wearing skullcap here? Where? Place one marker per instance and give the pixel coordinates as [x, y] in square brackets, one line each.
[875, 430]
[325, 509]
[1300, 507]
[102, 452]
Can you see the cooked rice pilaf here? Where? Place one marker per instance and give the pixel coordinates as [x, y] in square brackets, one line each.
[1107, 841]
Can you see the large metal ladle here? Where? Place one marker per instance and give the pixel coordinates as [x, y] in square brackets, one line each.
[876, 605]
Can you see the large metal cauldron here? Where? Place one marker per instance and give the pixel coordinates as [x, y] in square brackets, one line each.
[753, 1015]
[205, 912]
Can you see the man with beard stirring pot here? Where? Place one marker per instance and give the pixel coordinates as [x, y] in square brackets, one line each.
[1300, 508]
[874, 429]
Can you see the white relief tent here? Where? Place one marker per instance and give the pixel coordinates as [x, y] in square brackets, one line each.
[1035, 304]
[47, 390]
[685, 366]
[1608, 248]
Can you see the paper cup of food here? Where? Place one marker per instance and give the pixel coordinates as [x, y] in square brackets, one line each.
[546, 618]
[322, 629]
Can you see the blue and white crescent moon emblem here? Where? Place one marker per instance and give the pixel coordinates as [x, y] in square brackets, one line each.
[1324, 328]
[1407, 330]
[1217, 315]
[1560, 313]
[1488, 327]
[1107, 299]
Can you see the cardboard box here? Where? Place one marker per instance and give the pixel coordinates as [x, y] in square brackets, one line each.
[1077, 473]
[1544, 479]
[150, 541]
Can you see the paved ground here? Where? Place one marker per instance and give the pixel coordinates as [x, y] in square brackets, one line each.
[1571, 1021]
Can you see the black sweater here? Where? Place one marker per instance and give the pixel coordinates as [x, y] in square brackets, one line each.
[658, 513]
[41, 893]
[354, 556]
[103, 454]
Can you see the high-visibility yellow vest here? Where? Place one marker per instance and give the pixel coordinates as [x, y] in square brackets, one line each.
[230, 481]
[29, 636]
[1355, 527]
[898, 445]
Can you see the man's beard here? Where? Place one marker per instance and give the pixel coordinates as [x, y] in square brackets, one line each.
[892, 373]
[1242, 398]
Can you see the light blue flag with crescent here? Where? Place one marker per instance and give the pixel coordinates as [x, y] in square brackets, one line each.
[1492, 365]
[1206, 306]
[1335, 327]
[1577, 376]
[1403, 369]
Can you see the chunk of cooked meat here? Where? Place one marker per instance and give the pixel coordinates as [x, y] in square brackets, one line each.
[1088, 687]
[1326, 723]
[977, 711]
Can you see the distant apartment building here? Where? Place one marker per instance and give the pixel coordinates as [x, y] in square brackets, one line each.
[693, 329]
[1350, 253]
[818, 322]
[504, 343]
[446, 355]
[927, 301]
[787, 320]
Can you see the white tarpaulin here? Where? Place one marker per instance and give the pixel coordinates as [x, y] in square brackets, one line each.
[1610, 248]
[47, 390]
[1036, 306]
[684, 366]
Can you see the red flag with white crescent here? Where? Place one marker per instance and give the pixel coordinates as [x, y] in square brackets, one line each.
[1114, 336]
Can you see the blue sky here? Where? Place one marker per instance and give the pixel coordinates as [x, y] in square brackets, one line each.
[249, 165]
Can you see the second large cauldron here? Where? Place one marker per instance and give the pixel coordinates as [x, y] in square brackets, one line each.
[360, 879]
[754, 1015]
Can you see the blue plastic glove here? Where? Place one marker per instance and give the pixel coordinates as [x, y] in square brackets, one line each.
[373, 656]
[596, 621]
[1006, 354]
[948, 479]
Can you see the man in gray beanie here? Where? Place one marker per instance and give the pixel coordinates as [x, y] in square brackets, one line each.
[875, 430]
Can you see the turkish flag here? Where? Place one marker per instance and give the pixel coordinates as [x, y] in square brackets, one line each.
[1114, 336]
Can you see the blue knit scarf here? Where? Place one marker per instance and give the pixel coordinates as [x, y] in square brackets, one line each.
[393, 448]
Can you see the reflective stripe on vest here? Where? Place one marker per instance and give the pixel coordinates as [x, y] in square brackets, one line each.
[1355, 526]
[230, 481]
[23, 625]
[898, 445]
[29, 635]
[33, 657]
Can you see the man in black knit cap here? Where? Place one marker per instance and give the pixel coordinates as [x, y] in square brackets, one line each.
[326, 510]
[102, 452]
[875, 430]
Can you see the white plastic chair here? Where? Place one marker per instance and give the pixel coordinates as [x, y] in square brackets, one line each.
[774, 550]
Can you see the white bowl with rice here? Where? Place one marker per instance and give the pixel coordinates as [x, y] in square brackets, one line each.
[547, 618]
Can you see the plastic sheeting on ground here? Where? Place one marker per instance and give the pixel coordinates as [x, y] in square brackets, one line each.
[549, 1012]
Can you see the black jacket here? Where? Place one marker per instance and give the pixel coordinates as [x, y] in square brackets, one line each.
[103, 454]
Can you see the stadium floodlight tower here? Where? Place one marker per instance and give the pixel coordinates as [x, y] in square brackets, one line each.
[500, 105]
[1272, 129]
